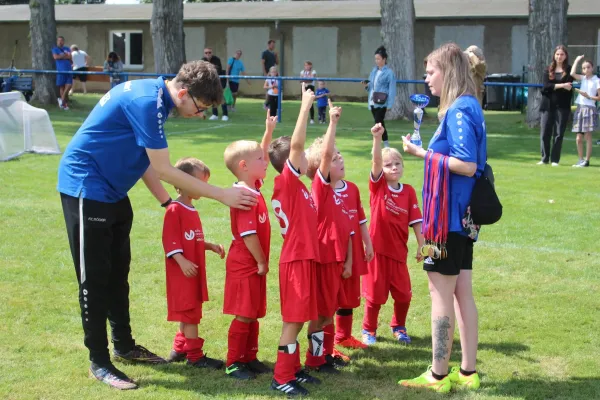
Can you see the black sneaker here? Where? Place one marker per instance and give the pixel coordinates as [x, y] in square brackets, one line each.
[335, 361]
[258, 367]
[206, 362]
[240, 371]
[176, 357]
[139, 354]
[291, 389]
[303, 377]
[324, 369]
[110, 375]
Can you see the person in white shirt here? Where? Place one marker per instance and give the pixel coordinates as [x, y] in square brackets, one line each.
[81, 62]
[309, 74]
[272, 86]
[585, 120]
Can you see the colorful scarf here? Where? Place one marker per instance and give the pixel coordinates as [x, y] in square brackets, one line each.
[435, 205]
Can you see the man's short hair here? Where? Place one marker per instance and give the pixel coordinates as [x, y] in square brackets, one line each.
[392, 152]
[237, 151]
[271, 41]
[60, 37]
[279, 152]
[315, 152]
[202, 81]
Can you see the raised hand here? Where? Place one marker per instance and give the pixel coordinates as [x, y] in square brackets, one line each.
[377, 130]
[334, 112]
[308, 97]
[270, 122]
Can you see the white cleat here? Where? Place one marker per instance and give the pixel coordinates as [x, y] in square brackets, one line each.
[225, 118]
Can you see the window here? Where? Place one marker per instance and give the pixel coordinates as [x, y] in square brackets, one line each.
[129, 46]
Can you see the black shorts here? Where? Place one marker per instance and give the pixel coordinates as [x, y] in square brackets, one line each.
[234, 86]
[460, 256]
[82, 78]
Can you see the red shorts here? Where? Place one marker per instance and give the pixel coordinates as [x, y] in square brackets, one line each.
[349, 295]
[246, 297]
[386, 276]
[191, 316]
[298, 291]
[329, 280]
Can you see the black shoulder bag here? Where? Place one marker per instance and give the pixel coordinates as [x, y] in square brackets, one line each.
[486, 208]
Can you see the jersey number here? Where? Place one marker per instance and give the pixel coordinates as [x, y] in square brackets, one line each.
[284, 223]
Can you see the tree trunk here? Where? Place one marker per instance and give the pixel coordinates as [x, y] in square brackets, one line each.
[167, 36]
[547, 29]
[42, 30]
[398, 33]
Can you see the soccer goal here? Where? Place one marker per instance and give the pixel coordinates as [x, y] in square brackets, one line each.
[24, 128]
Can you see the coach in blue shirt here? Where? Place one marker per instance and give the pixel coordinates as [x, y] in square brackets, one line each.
[62, 55]
[122, 140]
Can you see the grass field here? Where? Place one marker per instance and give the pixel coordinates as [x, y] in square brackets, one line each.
[536, 275]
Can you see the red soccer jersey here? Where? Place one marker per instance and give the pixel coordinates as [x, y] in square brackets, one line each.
[351, 196]
[240, 262]
[392, 212]
[333, 221]
[294, 208]
[182, 233]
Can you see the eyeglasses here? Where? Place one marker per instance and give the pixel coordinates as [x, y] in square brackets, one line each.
[200, 110]
[208, 52]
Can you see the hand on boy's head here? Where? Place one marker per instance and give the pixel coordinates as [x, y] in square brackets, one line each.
[377, 130]
[271, 122]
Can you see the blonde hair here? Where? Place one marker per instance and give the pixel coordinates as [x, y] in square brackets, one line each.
[392, 152]
[455, 68]
[315, 152]
[478, 69]
[237, 151]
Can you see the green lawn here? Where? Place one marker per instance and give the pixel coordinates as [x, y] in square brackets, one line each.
[536, 283]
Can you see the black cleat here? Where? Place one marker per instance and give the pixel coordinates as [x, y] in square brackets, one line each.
[110, 375]
[240, 371]
[291, 389]
[303, 377]
[176, 357]
[258, 367]
[206, 362]
[139, 354]
[335, 361]
[324, 369]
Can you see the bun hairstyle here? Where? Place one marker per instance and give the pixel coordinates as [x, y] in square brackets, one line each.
[478, 69]
[382, 52]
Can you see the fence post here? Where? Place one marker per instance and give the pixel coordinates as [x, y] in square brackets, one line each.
[279, 98]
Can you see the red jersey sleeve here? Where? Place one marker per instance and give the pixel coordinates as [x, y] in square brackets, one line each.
[376, 182]
[246, 221]
[362, 218]
[171, 236]
[414, 215]
[289, 171]
[320, 189]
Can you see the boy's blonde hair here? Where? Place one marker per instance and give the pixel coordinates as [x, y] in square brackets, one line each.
[392, 152]
[315, 152]
[238, 151]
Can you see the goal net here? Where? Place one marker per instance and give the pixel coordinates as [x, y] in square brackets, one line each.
[24, 128]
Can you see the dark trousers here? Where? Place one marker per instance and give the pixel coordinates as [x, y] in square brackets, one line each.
[312, 107]
[322, 113]
[553, 125]
[272, 103]
[215, 110]
[378, 116]
[99, 239]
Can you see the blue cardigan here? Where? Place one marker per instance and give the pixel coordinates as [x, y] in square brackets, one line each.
[386, 84]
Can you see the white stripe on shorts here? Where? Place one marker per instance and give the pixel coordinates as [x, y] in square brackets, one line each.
[81, 246]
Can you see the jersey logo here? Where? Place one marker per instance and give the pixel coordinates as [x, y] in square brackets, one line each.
[262, 218]
[415, 206]
[189, 235]
[337, 200]
[284, 223]
[305, 194]
[428, 261]
[127, 86]
[159, 102]
[104, 99]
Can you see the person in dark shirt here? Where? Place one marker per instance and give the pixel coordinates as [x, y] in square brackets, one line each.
[216, 61]
[555, 108]
[269, 58]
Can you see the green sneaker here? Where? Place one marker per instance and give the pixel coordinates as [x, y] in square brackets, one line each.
[459, 380]
[427, 381]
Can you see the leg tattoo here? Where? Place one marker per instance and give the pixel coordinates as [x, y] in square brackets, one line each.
[441, 324]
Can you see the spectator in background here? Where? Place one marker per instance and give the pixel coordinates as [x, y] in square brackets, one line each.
[216, 61]
[114, 65]
[269, 58]
[62, 55]
[478, 69]
[81, 62]
[309, 74]
[235, 66]
[272, 86]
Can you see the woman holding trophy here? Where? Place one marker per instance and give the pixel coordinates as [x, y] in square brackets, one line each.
[456, 155]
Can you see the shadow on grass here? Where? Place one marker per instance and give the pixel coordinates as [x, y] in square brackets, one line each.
[575, 388]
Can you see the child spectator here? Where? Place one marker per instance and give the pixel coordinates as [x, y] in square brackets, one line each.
[309, 75]
[272, 86]
[322, 96]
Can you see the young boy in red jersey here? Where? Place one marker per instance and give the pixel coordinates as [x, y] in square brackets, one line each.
[248, 258]
[325, 169]
[184, 244]
[394, 207]
[297, 215]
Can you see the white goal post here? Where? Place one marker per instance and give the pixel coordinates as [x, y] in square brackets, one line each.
[24, 128]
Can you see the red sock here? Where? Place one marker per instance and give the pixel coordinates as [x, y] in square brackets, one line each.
[329, 331]
[371, 316]
[400, 312]
[314, 361]
[252, 343]
[236, 341]
[285, 367]
[343, 327]
[179, 342]
[193, 349]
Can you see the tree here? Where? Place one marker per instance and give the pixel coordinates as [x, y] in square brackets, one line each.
[167, 36]
[42, 30]
[398, 33]
[547, 29]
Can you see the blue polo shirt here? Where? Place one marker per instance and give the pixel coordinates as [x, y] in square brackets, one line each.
[62, 65]
[462, 135]
[321, 101]
[237, 67]
[107, 155]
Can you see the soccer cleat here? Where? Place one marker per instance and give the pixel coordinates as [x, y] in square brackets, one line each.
[338, 358]
[369, 338]
[352, 343]
[139, 354]
[582, 164]
[225, 118]
[303, 377]
[110, 375]
[427, 381]
[258, 367]
[578, 163]
[459, 380]
[176, 357]
[291, 389]
[213, 118]
[206, 362]
[400, 334]
[326, 368]
[240, 371]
